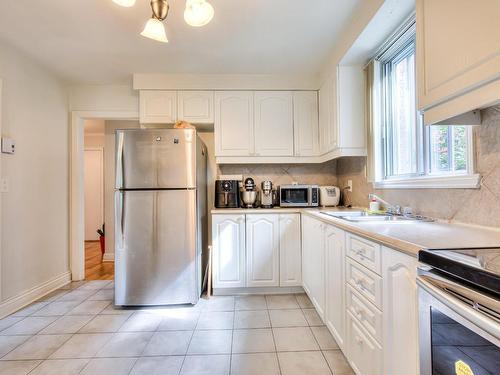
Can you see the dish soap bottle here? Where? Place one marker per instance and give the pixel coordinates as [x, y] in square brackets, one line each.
[374, 205]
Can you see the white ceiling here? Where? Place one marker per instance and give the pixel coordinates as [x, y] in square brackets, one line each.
[96, 41]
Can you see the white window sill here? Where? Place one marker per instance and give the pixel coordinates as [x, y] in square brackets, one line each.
[470, 181]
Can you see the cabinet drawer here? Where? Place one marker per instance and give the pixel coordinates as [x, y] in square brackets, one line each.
[367, 315]
[364, 353]
[365, 282]
[366, 252]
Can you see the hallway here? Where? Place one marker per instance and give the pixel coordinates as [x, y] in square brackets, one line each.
[94, 268]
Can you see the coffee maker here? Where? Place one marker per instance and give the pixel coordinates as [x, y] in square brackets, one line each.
[266, 199]
[227, 194]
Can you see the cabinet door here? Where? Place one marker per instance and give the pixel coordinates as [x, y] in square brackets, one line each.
[400, 316]
[157, 107]
[305, 120]
[327, 113]
[262, 246]
[335, 282]
[290, 250]
[234, 123]
[307, 243]
[228, 238]
[273, 123]
[458, 48]
[196, 107]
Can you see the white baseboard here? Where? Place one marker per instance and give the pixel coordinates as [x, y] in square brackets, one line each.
[108, 257]
[257, 290]
[23, 299]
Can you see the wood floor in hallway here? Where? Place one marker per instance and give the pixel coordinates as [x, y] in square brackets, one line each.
[94, 268]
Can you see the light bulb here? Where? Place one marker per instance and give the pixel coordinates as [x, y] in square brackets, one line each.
[155, 30]
[125, 3]
[198, 12]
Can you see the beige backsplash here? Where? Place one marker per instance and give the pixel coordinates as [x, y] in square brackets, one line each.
[474, 206]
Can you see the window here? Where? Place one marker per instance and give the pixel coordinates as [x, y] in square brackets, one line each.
[410, 154]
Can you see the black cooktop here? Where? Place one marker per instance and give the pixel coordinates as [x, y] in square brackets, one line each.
[479, 267]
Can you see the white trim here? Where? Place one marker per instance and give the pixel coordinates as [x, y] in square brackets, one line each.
[472, 181]
[101, 203]
[1, 241]
[257, 290]
[77, 209]
[25, 298]
[108, 257]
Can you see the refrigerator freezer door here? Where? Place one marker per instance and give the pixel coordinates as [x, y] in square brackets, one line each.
[155, 251]
[155, 158]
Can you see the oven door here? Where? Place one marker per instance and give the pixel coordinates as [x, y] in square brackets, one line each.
[459, 328]
[297, 196]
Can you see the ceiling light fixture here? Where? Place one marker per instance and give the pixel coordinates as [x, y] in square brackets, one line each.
[125, 3]
[198, 12]
[154, 28]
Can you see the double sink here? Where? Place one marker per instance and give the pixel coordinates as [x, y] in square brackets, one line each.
[363, 216]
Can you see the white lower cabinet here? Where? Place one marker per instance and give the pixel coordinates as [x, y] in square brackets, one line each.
[263, 250]
[334, 239]
[228, 241]
[290, 250]
[400, 313]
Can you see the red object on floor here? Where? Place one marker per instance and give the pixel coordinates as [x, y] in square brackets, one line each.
[102, 241]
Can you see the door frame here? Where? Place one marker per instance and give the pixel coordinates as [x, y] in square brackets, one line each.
[76, 186]
[101, 187]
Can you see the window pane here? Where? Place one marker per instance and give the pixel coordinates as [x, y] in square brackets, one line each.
[404, 130]
[439, 146]
[448, 149]
[459, 148]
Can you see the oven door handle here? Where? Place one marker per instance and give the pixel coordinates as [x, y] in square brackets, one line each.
[444, 289]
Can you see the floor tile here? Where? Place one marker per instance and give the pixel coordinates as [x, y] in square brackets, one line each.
[60, 366]
[337, 362]
[286, 301]
[250, 303]
[324, 338]
[255, 364]
[112, 310]
[251, 319]
[115, 366]
[104, 323]
[294, 339]
[103, 295]
[206, 365]
[57, 308]
[17, 367]
[89, 308]
[30, 309]
[211, 342]
[216, 320]
[8, 343]
[142, 322]
[82, 346]
[158, 366]
[304, 301]
[220, 303]
[253, 341]
[303, 363]
[287, 318]
[52, 296]
[125, 344]
[38, 347]
[76, 295]
[312, 317]
[9, 321]
[168, 343]
[29, 326]
[111, 285]
[66, 324]
[94, 285]
[179, 320]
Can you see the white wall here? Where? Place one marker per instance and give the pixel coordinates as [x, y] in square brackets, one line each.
[34, 243]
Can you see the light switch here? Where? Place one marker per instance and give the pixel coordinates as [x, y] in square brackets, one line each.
[8, 146]
[4, 185]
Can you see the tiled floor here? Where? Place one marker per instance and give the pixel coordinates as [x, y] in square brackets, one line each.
[76, 330]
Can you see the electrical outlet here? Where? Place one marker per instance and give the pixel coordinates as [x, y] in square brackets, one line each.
[349, 185]
[4, 185]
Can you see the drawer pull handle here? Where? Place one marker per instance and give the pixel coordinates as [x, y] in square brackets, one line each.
[359, 313]
[361, 284]
[359, 340]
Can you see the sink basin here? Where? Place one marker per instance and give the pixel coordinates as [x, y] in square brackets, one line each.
[363, 217]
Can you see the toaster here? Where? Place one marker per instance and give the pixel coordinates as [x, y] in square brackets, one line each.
[329, 196]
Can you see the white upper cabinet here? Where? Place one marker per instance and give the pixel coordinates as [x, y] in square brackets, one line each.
[228, 239]
[290, 250]
[262, 247]
[400, 313]
[196, 107]
[157, 107]
[327, 113]
[306, 127]
[458, 54]
[273, 123]
[234, 123]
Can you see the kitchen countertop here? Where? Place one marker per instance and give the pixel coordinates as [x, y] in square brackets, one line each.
[406, 236]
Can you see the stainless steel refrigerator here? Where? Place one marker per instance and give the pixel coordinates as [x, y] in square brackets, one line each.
[160, 216]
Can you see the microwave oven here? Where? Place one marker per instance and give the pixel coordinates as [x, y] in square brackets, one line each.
[299, 195]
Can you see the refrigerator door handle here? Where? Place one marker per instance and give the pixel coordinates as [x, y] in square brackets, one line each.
[120, 217]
